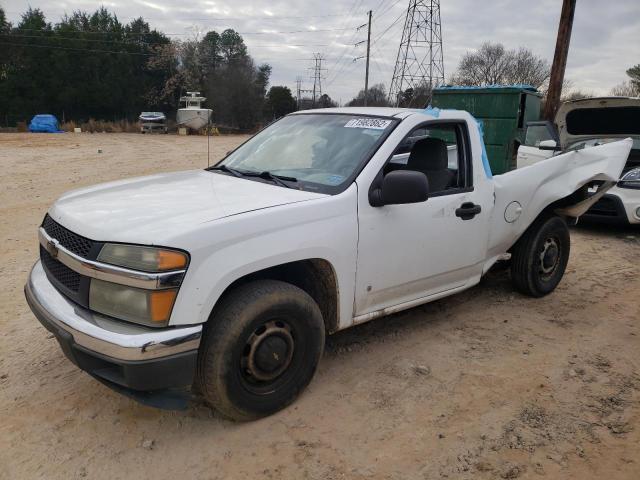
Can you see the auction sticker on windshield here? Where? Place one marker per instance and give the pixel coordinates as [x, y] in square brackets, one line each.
[374, 123]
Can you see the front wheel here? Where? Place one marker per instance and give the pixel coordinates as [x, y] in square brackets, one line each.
[539, 258]
[260, 350]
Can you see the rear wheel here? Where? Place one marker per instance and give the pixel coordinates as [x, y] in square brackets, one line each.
[540, 256]
[260, 350]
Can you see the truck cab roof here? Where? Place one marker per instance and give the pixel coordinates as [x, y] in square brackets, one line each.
[399, 113]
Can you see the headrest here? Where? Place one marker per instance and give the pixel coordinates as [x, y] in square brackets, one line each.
[429, 154]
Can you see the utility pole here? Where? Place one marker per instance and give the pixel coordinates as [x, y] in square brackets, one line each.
[366, 75]
[559, 59]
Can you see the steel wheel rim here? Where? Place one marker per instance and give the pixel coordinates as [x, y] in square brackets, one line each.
[268, 352]
[549, 257]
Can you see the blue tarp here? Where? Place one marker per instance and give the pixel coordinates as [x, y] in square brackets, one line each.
[521, 86]
[485, 159]
[44, 123]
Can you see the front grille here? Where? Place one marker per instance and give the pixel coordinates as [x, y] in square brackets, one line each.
[60, 271]
[69, 240]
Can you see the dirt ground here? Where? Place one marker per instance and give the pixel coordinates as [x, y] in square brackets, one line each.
[486, 384]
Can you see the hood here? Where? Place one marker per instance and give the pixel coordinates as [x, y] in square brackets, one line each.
[148, 210]
[606, 117]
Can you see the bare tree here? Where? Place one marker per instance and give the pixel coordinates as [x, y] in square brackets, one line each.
[630, 88]
[575, 95]
[626, 89]
[525, 67]
[492, 64]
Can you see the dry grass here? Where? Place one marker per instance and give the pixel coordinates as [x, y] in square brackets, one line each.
[102, 126]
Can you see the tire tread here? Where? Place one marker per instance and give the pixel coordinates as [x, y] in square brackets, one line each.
[232, 306]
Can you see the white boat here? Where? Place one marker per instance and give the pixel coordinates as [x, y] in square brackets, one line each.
[193, 115]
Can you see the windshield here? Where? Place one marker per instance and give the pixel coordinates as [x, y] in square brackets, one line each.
[317, 152]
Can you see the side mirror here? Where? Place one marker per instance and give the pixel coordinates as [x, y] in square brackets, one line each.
[400, 187]
[549, 145]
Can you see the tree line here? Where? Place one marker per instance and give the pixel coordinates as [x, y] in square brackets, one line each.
[94, 66]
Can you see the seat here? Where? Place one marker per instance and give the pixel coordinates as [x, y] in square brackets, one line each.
[429, 156]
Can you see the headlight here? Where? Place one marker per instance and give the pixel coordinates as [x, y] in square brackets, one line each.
[146, 259]
[148, 307]
[631, 179]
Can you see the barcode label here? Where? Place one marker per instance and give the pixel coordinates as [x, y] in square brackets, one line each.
[373, 123]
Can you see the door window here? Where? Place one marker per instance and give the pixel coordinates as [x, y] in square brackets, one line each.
[440, 152]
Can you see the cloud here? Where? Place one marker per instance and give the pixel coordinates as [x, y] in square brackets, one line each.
[605, 40]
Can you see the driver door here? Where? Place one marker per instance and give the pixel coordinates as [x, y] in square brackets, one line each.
[409, 253]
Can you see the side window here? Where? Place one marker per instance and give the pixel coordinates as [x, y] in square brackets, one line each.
[536, 133]
[439, 151]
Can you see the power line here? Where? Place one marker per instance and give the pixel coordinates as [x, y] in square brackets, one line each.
[152, 44]
[356, 4]
[80, 39]
[388, 9]
[379, 37]
[75, 49]
[54, 47]
[268, 17]
[83, 32]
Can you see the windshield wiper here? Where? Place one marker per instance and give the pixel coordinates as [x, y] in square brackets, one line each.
[277, 179]
[267, 175]
[224, 168]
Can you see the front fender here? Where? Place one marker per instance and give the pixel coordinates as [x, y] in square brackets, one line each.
[324, 228]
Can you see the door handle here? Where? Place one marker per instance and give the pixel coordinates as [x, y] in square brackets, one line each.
[468, 210]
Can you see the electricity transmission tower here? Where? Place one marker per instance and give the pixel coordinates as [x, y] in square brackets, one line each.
[419, 64]
[317, 76]
[300, 102]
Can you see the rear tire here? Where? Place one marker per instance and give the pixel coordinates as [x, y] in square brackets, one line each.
[260, 349]
[539, 258]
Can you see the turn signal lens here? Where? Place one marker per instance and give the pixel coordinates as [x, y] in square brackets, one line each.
[170, 260]
[161, 303]
[146, 259]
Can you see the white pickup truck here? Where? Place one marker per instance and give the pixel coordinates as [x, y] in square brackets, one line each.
[229, 278]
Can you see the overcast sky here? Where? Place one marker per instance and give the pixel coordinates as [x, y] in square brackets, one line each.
[605, 40]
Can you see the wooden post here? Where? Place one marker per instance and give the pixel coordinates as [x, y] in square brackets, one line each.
[559, 60]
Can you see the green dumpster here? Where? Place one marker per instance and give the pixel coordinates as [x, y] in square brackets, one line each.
[504, 111]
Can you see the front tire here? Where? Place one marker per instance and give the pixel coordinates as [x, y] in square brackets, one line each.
[539, 258]
[260, 349]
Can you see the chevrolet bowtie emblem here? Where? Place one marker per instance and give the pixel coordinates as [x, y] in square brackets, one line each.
[52, 248]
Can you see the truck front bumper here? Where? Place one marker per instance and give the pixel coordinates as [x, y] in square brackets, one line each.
[130, 356]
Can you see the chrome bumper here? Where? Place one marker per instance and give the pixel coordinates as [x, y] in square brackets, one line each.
[103, 335]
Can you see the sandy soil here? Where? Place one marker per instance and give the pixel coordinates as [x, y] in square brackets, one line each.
[486, 384]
